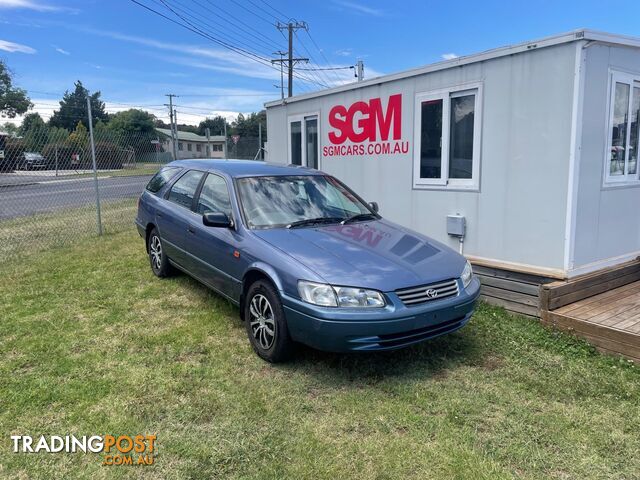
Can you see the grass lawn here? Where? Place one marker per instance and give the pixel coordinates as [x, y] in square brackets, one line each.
[92, 343]
[31, 234]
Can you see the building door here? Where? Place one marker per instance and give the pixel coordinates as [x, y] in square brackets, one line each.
[304, 145]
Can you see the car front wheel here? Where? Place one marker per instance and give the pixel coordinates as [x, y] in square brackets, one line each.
[265, 323]
[157, 257]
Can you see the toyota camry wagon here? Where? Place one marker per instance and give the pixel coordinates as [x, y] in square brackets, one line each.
[303, 256]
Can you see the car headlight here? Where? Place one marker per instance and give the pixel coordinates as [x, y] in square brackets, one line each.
[349, 297]
[467, 275]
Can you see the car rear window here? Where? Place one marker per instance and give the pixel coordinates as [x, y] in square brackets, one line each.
[161, 178]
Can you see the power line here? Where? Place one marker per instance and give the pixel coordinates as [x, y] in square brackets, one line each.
[194, 29]
[194, 17]
[219, 9]
[209, 24]
[319, 49]
[285, 17]
[263, 10]
[326, 79]
[252, 12]
[327, 68]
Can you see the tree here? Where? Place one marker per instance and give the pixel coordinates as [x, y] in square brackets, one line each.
[10, 129]
[248, 126]
[13, 101]
[31, 121]
[73, 108]
[132, 121]
[34, 131]
[215, 126]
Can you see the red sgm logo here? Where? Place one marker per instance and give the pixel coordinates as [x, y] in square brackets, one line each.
[367, 128]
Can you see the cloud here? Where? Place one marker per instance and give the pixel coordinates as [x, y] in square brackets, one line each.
[221, 60]
[35, 5]
[360, 8]
[60, 50]
[196, 56]
[344, 52]
[449, 56]
[15, 47]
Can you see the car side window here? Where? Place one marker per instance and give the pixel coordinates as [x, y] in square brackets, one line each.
[214, 196]
[183, 191]
[161, 178]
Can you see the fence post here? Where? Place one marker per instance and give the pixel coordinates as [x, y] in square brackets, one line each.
[56, 157]
[225, 140]
[95, 168]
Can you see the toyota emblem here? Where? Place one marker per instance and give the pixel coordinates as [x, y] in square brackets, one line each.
[432, 293]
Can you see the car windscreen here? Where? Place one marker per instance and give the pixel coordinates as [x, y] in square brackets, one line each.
[280, 201]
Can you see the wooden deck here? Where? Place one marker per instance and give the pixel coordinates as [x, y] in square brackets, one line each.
[609, 320]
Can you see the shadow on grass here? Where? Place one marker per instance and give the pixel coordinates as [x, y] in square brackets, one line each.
[428, 359]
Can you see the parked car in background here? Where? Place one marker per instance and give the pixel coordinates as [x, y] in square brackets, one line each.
[304, 257]
[31, 161]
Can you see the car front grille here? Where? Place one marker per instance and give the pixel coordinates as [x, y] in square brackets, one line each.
[427, 293]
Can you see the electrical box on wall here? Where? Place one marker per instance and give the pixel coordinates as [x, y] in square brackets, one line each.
[456, 225]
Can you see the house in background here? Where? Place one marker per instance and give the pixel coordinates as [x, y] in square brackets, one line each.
[191, 145]
[533, 146]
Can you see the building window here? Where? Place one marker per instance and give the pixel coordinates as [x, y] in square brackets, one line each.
[624, 129]
[198, 147]
[180, 147]
[189, 147]
[217, 147]
[304, 145]
[447, 138]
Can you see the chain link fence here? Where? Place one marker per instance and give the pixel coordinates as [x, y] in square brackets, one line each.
[52, 192]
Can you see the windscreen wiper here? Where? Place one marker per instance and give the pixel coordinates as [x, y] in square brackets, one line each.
[358, 216]
[313, 221]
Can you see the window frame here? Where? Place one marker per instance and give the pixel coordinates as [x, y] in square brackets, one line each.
[446, 94]
[196, 193]
[300, 117]
[196, 199]
[626, 179]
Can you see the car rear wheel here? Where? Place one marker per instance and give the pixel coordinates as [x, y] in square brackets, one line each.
[157, 258]
[265, 323]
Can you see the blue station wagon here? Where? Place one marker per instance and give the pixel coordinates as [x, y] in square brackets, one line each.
[303, 256]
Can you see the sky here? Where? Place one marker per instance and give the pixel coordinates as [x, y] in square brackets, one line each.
[134, 56]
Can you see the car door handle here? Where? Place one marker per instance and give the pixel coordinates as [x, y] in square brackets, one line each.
[190, 230]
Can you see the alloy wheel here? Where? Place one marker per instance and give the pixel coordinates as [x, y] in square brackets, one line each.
[262, 322]
[155, 250]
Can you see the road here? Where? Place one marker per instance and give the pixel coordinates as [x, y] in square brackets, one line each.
[19, 201]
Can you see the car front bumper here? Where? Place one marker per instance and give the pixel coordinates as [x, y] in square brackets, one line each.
[394, 326]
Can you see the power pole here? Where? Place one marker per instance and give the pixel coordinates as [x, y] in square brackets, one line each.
[291, 28]
[281, 62]
[95, 168]
[360, 70]
[208, 134]
[174, 128]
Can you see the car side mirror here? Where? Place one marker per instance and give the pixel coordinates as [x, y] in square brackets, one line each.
[374, 206]
[217, 219]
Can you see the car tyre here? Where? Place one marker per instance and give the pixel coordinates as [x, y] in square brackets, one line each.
[158, 259]
[266, 324]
